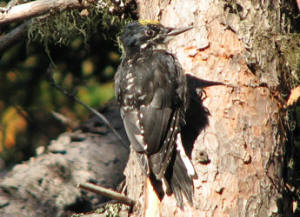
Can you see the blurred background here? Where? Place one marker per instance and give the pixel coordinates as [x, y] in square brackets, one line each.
[82, 47]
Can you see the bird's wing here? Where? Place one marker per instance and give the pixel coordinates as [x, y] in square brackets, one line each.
[147, 125]
[153, 121]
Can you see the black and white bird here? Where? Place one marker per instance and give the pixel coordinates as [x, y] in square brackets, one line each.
[151, 89]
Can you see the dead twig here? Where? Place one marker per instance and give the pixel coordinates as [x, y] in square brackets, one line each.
[108, 193]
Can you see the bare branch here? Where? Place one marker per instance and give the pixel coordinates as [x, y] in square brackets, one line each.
[39, 7]
[63, 119]
[13, 36]
[108, 193]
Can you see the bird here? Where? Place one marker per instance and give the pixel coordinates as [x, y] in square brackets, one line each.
[151, 88]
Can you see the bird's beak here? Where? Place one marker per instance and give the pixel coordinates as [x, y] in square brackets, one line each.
[173, 32]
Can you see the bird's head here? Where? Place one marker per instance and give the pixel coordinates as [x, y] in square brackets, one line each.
[147, 34]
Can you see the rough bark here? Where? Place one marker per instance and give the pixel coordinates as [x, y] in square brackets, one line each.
[46, 185]
[234, 134]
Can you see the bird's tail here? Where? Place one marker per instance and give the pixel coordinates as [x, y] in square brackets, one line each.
[180, 181]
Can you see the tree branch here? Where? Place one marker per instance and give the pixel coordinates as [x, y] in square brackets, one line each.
[13, 36]
[107, 193]
[39, 7]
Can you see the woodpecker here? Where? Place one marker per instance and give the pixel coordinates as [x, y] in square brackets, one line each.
[151, 89]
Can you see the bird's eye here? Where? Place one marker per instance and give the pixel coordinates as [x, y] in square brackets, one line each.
[149, 32]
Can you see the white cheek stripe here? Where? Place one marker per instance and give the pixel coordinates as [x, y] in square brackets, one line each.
[187, 162]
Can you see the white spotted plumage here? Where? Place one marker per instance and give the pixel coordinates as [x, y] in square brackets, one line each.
[151, 89]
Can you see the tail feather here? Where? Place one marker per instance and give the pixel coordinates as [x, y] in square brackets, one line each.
[180, 181]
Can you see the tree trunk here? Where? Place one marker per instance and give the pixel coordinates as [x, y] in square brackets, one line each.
[234, 133]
